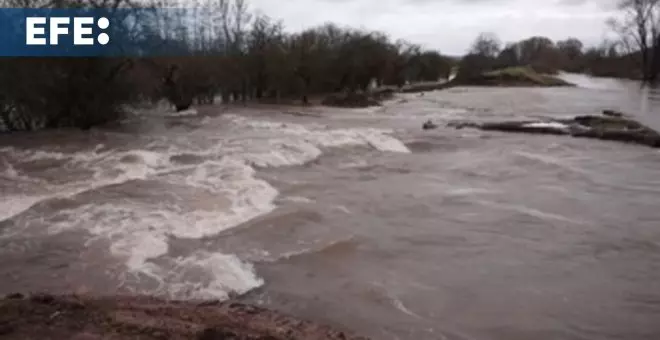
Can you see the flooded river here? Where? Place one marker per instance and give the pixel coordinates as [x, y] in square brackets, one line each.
[355, 218]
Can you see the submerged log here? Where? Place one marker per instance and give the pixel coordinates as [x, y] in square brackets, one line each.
[604, 127]
[612, 113]
[526, 127]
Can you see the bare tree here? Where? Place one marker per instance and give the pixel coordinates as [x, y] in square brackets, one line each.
[571, 47]
[486, 45]
[263, 39]
[639, 29]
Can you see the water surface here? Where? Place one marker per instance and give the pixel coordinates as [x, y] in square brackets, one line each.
[356, 218]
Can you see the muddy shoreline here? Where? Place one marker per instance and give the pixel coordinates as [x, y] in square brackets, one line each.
[45, 316]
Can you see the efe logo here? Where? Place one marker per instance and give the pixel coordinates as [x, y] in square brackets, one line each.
[82, 30]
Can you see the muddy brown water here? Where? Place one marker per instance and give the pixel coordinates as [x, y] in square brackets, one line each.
[355, 218]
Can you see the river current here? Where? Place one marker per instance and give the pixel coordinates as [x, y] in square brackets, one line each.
[355, 218]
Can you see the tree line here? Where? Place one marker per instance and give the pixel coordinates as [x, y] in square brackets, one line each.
[221, 49]
[217, 48]
[634, 53]
[547, 56]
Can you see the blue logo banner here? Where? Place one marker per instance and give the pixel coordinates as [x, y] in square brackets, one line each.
[26, 32]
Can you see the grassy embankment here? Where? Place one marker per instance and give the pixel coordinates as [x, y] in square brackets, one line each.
[516, 76]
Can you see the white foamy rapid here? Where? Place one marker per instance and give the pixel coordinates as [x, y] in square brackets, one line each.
[189, 112]
[295, 144]
[549, 125]
[218, 191]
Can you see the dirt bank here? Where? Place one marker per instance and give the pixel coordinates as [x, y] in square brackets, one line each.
[85, 318]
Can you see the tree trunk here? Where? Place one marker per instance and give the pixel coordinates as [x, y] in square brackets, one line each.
[646, 70]
[244, 92]
[655, 60]
[306, 87]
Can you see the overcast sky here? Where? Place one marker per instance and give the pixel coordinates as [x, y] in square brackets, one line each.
[450, 25]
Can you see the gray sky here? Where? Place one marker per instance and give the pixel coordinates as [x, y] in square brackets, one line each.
[450, 25]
